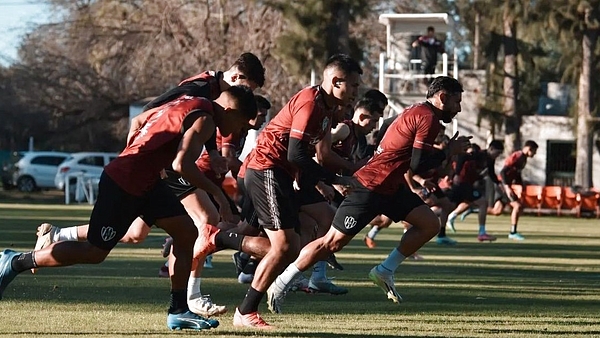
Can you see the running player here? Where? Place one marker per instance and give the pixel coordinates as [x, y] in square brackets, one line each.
[282, 148]
[468, 187]
[382, 190]
[130, 186]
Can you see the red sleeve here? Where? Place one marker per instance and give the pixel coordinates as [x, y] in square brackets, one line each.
[305, 122]
[427, 127]
[512, 160]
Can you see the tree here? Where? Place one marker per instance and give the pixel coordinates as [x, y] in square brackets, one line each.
[576, 20]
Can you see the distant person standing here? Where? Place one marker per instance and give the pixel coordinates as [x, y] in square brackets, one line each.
[430, 47]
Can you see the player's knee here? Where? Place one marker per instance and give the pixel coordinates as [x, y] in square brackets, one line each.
[95, 255]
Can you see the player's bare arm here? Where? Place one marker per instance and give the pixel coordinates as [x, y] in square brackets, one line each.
[328, 157]
[137, 123]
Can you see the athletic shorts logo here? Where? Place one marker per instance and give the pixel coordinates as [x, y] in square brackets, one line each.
[108, 233]
[182, 181]
[349, 222]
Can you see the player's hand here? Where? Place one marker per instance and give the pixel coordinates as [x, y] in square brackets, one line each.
[459, 144]
[429, 186]
[327, 191]
[218, 163]
[343, 189]
[511, 194]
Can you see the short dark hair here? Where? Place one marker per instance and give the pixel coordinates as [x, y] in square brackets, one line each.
[249, 65]
[262, 102]
[344, 63]
[496, 144]
[531, 144]
[369, 105]
[244, 99]
[444, 83]
[475, 147]
[376, 96]
[430, 29]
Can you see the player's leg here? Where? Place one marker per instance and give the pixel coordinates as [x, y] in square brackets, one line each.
[112, 214]
[482, 234]
[323, 215]
[425, 225]
[270, 191]
[517, 209]
[377, 224]
[166, 211]
[202, 211]
[352, 216]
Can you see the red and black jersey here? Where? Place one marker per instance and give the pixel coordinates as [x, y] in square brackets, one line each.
[305, 117]
[155, 145]
[416, 127]
[513, 166]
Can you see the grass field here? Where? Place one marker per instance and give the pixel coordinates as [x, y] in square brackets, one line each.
[546, 286]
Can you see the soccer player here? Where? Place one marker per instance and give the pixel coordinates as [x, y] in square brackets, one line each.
[130, 186]
[467, 187]
[283, 147]
[511, 174]
[381, 189]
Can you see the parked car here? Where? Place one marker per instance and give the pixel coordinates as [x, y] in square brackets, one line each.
[91, 164]
[8, 168]
[37, 169]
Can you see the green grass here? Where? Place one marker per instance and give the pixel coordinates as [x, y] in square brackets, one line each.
[547, 286]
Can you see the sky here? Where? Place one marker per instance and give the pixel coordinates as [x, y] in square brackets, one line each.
[17, 17]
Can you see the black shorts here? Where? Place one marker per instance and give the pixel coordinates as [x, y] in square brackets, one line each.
[362, 205]
[115, 210]
[464, 192]
[309, 195]
[178, 184]
[232, 205]
[248, 213]
[272, 193]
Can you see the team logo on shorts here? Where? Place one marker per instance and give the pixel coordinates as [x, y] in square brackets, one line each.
[349, 222]
[182, 181]
[108, 233]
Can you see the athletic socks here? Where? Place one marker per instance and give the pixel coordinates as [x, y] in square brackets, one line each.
[229, 240]
[286, 278]
[391, 263]
[513, 229]
[193, 288]
[373, 232]
[24, 261]
[319, 270]
[66, 234]
[178, 302]
[251, 301]
[481, 229]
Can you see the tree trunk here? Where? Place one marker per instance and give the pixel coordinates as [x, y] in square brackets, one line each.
[583, 164]
[338, 34]
[512, 140]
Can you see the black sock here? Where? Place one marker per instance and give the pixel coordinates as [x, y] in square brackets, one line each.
[229, 240]
[251, 301]
[178, 302]
[24, 261]
[244, 255]
[250, 268]
[513, 229]
[442, 232]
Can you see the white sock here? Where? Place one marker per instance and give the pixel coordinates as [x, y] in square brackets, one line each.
[452, 216]
[66, 234]
[391, 263]
[286, 278]
[373, 232]
[319, 269]
[193, 289]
